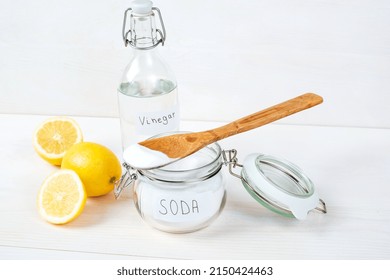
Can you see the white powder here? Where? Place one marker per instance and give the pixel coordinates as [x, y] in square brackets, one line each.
[193, 161]
[141, 157]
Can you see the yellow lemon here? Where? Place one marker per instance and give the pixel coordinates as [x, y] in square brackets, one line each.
[61, 197]
[54, 137]
[97, 166]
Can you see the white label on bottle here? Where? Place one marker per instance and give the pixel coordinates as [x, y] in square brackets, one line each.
[184, 208]
[153, 123]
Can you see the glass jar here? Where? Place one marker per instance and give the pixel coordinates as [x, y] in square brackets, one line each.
[188, 194]
[184, 196]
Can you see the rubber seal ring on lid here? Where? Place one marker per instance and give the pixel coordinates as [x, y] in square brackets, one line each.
[281, 183]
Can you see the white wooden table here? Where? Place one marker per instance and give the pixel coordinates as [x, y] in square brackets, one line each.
[349, 166]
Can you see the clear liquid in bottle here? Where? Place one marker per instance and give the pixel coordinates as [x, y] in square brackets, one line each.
[145, 115]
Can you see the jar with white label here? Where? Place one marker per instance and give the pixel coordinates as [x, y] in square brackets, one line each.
[184, 196]
[188, 194]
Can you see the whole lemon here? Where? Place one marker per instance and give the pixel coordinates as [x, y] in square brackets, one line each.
[97, 166]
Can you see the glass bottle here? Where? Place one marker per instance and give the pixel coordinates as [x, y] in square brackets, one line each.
[147, 94]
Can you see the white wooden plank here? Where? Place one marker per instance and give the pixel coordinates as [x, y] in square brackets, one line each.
[20, 253]
[348, 165]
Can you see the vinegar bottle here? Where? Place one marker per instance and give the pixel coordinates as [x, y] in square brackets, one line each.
[147, 94]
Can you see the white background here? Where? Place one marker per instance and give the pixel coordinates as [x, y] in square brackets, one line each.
[231, 58]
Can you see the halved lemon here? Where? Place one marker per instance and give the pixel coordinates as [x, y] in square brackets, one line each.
[62, 197]
[54, 137]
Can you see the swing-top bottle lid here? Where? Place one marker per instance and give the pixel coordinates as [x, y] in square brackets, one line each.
[142, 6]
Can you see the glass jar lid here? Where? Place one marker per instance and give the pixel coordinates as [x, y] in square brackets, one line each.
[279, 185]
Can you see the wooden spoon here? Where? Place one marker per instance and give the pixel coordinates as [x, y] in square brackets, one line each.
[178, 146]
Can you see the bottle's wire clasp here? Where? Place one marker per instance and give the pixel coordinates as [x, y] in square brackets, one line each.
[128, 39]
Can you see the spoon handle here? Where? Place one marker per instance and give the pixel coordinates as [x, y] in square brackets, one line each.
[268, 115]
